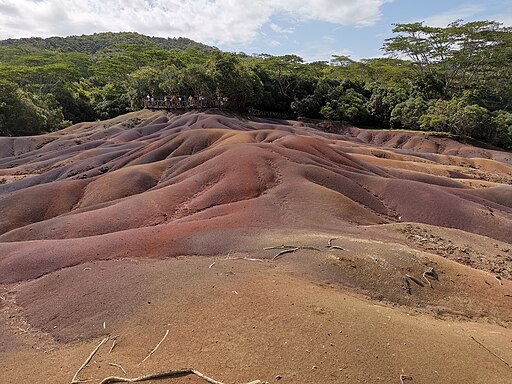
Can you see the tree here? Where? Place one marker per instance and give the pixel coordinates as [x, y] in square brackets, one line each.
[234, 80]
[408, 113]
[23, 113]
[311, 105]
[457, 116]
[195, 80]
[383, 101]
[502, 121]
[110, 101]
[349, 106]
[461, 55]
[142, 82]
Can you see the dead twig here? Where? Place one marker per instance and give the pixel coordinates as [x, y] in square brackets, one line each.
[118, 366]
[245, 258]
[154, 349]
[491, 352]
[427, 280]
[415, 280]
[404, 377]
[285, 251]
[292, 247]
[165, 375]
[497, 277]
[114, 342]
[87, 361]
[289, 249]
[282, 246]
[330, 246]
[211, 265]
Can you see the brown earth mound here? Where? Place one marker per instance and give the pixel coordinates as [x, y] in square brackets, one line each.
[94, 217]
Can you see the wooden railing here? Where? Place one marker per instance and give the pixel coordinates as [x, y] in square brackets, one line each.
[203, 103]
[194, 103]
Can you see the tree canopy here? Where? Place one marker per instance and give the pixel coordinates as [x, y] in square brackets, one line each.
[456, 78]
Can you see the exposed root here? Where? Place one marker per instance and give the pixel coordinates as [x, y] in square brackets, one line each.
[154, 349]
[427, 280]
[87, 361]
[165, 375]
[285, 251]
[118, 366]
[290, 248]
[114, 342]
[330, 246]
[491, 352]
[412, 278]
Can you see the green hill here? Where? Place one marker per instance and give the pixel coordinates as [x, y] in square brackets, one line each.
[99, 42]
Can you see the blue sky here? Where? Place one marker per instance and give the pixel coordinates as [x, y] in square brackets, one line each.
[318, 40]
[312, 29]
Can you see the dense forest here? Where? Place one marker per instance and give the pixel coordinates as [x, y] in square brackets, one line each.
[456, 79]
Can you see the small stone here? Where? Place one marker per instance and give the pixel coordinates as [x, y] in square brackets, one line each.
[279, 377]
[314, 367]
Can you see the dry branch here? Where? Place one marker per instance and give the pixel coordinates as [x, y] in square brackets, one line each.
[282, 246]
[154, 349]
[491, 352]
[165, 375]
[246, 258]
[114, 342]
[290, 248]
[330, 246]
[412, 278]
[118, 366]
[404, 377]
[87, 361]
[427, 280]
[285, 251]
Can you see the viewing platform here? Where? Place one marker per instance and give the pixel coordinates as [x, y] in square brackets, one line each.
[177, 103]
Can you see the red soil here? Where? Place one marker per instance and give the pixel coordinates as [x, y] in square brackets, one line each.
[110, 197]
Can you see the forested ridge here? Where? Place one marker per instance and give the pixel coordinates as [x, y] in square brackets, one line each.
[456, 79]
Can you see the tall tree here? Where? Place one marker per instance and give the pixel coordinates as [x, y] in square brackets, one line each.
[460, 55]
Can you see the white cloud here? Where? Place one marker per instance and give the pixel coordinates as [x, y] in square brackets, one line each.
[466, 13]
[209, 21]
[278, 29]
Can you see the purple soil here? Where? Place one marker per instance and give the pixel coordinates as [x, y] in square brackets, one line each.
[148, 184]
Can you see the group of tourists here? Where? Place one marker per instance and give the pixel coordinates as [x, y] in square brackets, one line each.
[182, 102]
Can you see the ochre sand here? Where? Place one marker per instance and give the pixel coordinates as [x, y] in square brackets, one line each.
[151, 222]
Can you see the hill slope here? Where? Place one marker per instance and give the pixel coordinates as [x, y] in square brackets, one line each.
[105, 222]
